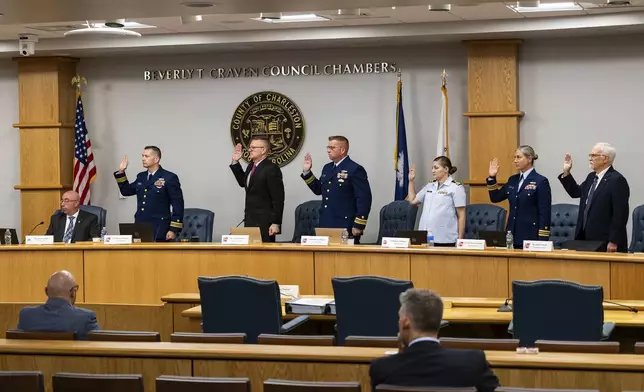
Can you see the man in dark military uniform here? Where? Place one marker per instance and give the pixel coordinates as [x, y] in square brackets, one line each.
[156, 189]
[345, 190]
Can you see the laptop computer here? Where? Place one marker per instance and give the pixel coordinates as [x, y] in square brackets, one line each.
[493, 238]
[416, 237]
[584, 246]
[141, 231]
[14, 236]
[253, 233]
[334, 234]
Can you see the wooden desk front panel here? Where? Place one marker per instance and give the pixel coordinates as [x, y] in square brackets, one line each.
[461, 276]
[25, 273]
[144, 276]
[338, 264]
[259, 371]
[49, 365]
[584, 272]
[627, 281]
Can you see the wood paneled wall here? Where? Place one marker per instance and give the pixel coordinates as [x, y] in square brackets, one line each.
[46, 105]
[493, 111]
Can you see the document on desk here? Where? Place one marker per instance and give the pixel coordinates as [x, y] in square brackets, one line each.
[307, 305]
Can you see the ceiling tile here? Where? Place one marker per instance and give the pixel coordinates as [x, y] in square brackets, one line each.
[485, 11]
[551, 14]
[612, 10]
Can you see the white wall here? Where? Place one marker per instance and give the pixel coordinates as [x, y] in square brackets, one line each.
[9, 150]
[190, 122]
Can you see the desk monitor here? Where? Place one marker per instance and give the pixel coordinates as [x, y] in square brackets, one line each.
[14, 236]
[335, 235]
[493, 238]
[416, 237]
[141, 231]
[253, 233]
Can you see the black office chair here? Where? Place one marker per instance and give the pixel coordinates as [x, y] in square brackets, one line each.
[307, 216]
[557, 310]
[637, 238]
[563, 223]
[395, 216]
[22, 381]
[486, 217]
[197, 222]
[367, 305]
[239, 304]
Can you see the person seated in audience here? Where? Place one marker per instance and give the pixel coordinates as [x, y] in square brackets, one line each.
[59, 314]
[70, 224]
[421, 361]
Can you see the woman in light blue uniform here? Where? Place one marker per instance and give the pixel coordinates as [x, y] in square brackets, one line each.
[443, 203]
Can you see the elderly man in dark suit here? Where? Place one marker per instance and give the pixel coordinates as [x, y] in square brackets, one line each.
[603, 209]
[422, 361]
[70, 224]
[59, 314]
[264, 186]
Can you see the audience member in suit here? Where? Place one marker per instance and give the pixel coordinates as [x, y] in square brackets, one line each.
[70, 224]
[264, 186]
[421, 360]
[603, 209]
[59, 314]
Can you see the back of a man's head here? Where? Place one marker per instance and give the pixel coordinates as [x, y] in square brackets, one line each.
[62, 285]
[423, 308]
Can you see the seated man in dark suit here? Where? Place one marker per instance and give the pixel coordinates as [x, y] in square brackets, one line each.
[59, 314]
[71, 224]
[421, 361]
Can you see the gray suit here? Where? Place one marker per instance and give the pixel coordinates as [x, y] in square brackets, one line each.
[58, 315]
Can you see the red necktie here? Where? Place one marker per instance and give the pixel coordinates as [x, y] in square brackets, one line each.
[252, 171]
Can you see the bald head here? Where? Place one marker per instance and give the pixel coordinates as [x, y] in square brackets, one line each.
[70, 202]
[62, 285]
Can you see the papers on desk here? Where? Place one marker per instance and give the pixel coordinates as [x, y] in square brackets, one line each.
[307, 305]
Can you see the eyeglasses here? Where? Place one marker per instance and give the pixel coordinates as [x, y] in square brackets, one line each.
[67, 201]
[593, 156]
[255, 147]
[331, 147]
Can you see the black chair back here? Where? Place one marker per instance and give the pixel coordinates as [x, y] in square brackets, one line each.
[100, 212]
[239, 304]
[367, 305]
[80, 382]
[486, 217]
[563, 223]
[22, 381]
[307, 216]
[395, 216]
[274, 385]
[637, 239]
[123, 336]
[197, 222]
[556, 310]
[39, 335]
[202, 384]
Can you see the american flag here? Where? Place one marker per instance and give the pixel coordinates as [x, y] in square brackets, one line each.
[84, 167]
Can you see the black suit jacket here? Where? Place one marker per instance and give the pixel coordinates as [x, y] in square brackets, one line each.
[264, 194]
[428, 364]
[608, 213]
[85, 227]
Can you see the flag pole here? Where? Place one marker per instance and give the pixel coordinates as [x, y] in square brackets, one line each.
[444, 88]
[398, 88]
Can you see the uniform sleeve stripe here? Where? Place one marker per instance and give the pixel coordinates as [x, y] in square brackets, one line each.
[121, 179]
[309, 180]
[178, 225]
[361, 221]
[492, 187]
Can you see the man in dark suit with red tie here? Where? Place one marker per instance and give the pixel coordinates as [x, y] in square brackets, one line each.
[421, 360]
[603, 210]
[264, 186]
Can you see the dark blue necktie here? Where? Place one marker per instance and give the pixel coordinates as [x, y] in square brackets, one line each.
[589, 199]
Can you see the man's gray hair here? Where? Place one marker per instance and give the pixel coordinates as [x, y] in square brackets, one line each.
[608, 150]
[424, 308]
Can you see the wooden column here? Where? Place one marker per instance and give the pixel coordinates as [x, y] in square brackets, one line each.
[493, 111]
[47, 114]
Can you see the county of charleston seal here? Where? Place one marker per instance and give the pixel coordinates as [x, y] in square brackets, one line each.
[274, 116]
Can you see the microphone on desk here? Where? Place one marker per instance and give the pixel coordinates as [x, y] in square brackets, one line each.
[506, 306]
[32, 230]
[630, 308]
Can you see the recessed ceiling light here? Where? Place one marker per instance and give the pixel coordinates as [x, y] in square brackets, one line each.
[126, 25]
[349, 11]
[548, 7]
[115, 23]
[527, 3]
[440, 7]
[198, 4]
[99, 29]
[270, 18]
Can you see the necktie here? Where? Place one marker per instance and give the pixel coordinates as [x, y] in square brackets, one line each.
[520, 181]
[252, 171]
[70, 229]
[589, 199]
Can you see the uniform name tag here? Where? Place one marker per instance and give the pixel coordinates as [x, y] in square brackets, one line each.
[229, 239]
[314, 240]
[39, 240]
[117, 239]
[393, 242]
[537, 246]
[470, 244]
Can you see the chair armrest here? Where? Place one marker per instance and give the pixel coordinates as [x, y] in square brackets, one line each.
[444, 323]
[294, 323]
[607, 329]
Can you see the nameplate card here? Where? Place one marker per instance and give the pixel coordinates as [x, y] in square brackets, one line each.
[470, 244]
[537, 246]
[318, 240]
[39, 240]
[393, 242]
[117, 239]
[234, 239]
[290, 290]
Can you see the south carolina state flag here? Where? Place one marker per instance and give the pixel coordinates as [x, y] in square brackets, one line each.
[401, 159]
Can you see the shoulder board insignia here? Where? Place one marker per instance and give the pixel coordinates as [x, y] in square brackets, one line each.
[458, 183]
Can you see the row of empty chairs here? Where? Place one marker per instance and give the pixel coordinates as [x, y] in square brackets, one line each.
[33, 381]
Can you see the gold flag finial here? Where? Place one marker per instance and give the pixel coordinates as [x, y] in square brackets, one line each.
[399, 73]
[444, 78]
[78, 81]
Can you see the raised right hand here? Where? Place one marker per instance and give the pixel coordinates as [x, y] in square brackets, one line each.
[123, 165]
[567, 164]
[237, 154]
[412, 173]
[494, 167]
[308, 163]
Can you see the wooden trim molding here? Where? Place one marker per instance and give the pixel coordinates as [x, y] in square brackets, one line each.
[51, 125]
[34, 187]
[494, 114]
